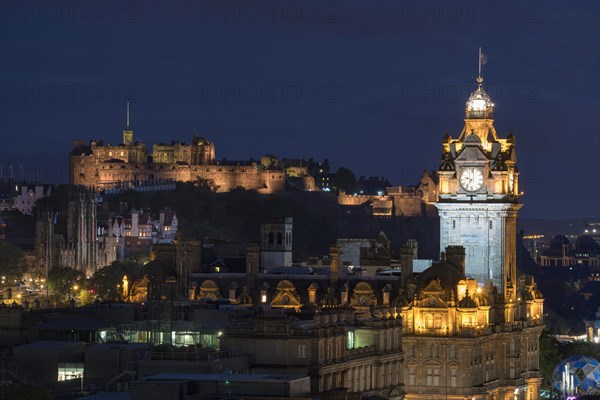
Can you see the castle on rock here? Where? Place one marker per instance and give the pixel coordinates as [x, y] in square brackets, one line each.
[129, 164]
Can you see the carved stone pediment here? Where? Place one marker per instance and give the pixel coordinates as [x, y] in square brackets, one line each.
[209, 290]
[432, 302]
[286, 296]
[363, 295]
[434, 287]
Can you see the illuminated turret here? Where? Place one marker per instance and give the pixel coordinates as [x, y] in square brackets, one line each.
[480, 105]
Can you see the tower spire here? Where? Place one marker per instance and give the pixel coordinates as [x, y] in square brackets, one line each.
[128, 102]
[479, 77]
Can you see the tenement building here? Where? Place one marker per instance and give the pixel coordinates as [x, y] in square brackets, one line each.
[129, 164]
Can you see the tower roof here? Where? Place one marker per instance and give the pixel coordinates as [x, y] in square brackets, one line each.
[479, 105]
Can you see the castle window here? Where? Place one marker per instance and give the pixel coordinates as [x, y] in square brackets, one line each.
[453, 224]
[279, 238]
[271, 237]
[491, 225]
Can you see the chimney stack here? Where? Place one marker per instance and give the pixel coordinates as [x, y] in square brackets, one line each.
[334, 265]
[407, 255]
[252, 263]
[455, 255]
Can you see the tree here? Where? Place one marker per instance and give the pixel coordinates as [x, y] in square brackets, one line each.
[206, 184]
[12, 262]
[66, 282]
[345, 180]
[550, 356]
[105, 280]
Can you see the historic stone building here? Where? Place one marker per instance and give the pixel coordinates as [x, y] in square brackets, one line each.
[331, 346]
[471, 326]
[70, 238]
[462, 340]
[398, 201]
[478, 195]
[128, 165]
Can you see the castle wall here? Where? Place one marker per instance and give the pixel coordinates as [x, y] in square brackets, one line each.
[91, 171]
[397, 202]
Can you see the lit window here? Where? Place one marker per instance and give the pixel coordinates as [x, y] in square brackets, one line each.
[302, 351]
[453, 377]
[412, 378]
[67, 371]
[433, 376]
[350, 340]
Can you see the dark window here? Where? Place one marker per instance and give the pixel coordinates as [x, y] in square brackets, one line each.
[271, 237]
[279, 238]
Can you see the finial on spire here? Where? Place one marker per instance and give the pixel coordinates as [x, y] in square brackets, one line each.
[128, 112]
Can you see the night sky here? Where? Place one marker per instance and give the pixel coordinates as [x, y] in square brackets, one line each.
[372, 86]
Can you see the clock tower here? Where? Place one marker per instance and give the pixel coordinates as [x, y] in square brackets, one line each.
[478, 196]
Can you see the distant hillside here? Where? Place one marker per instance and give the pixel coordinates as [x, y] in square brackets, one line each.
[318, 219]
[551, 227]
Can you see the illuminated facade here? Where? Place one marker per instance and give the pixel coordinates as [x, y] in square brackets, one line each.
[463, 341]
[478, 192]
[129, 165]
[471, 327]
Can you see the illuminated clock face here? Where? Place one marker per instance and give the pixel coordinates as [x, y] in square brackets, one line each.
[471, 179]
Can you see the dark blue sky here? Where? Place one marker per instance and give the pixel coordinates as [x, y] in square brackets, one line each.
[370, 85]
